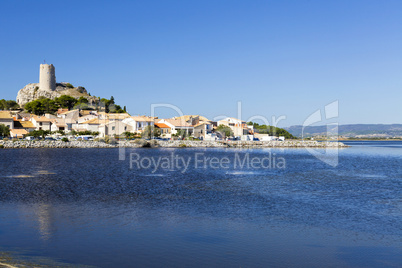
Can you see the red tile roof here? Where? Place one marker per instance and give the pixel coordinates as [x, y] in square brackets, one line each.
[161, 125]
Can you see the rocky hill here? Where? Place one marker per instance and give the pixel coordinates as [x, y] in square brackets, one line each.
[32, 92]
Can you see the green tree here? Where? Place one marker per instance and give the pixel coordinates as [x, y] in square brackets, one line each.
[42, 106]
[3, 104]
[8, 105]
[105, 103]
[60, 132]
[4, 131]
[113, 108]
[39, 133]
[35, 107]
[69, 85]
[66, 102]
[88, 132]
[128, 135]
[50, 106]
[150, 131]
[82, 100]
[271, 130]
[225, 131]
[182, 133]
[12, 105]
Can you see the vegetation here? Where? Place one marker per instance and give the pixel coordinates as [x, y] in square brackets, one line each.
[110, 140]
[182, 133]
[60, 132]
[130, 135]
[64, 139]
[39, 133]
[225, 130]
[69, 85]
[8, 105]
[66, 102]
[270, 130]
[4, 131]
[42, 106]
[110, 106]
[150, 131]
[82, 104]
[87, 132]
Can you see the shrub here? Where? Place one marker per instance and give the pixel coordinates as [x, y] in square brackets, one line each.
[1, 146]
[110, 140]
[64, 139]
[69, 85]
[5, 139]
[182, 145]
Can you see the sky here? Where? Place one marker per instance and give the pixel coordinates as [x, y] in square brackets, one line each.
[279, 59]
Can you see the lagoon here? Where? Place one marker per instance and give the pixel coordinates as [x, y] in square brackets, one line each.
[86, 208]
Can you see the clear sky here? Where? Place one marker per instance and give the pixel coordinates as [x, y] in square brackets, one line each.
[277, 57]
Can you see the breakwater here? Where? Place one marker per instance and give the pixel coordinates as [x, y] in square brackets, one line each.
[171, 144]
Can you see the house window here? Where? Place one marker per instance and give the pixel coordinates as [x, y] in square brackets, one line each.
[125, 128]
[40, 123]
[113, 128]
[40, 128]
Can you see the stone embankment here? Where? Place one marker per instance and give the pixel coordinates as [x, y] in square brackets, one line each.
[171, 144]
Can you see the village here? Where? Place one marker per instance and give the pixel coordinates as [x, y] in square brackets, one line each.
[98, 119]
[94, 124]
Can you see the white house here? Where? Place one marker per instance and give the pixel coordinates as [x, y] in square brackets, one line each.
[178, 125]
[139, 123]
[112, 128]
[41, 122]
[73, 114]
[6, 119]
[90, 125]
[239, 127]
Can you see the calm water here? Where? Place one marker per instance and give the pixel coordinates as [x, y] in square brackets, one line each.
[87, 208]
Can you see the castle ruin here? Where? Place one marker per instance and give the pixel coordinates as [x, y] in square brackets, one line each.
[47, 77]
[48, 88]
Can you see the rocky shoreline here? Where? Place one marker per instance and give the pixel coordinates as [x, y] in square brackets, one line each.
[171, 144]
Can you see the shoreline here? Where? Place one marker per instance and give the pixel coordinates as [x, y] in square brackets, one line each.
[171, 144]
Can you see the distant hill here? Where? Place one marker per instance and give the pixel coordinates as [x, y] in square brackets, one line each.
[353, 130]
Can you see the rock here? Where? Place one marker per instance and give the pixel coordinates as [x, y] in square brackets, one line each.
[33, 92]
[172, 144]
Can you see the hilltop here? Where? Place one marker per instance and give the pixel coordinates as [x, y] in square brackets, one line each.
[33, 92]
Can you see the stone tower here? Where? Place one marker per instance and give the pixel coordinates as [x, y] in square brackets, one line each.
[47, 77]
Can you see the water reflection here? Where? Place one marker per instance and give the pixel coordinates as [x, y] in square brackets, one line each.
[44, 214]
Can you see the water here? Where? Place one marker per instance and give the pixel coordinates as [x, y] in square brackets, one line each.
[87, 208]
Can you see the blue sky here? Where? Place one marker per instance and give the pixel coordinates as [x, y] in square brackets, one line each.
[277, 57]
